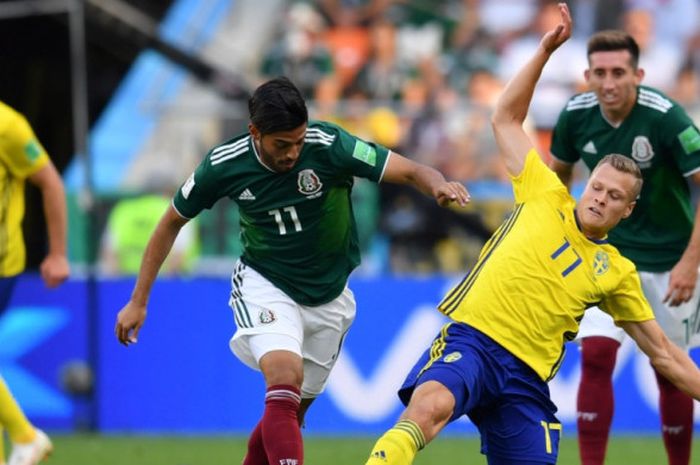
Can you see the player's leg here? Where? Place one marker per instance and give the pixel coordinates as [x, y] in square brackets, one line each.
[516, 422]
[269, 338]
[325, 327]
[675, 408]
[429, 410]
[436, 391]
[600, 340]
[281, 434]
[11, 415]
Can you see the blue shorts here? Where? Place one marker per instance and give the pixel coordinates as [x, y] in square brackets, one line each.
[7, 285]
[500, 394]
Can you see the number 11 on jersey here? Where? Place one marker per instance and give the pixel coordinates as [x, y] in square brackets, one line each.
[292, 211]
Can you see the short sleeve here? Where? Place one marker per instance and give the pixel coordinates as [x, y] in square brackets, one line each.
[535, 179]
[627, 302]
[358, 157]
[20, 150]
[682, 138]
[562, 148]
[198, 192]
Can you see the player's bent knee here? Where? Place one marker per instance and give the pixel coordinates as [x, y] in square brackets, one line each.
[598, 355]
[282, 367]
[431, 406]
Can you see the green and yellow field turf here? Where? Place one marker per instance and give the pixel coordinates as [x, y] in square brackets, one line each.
[219, 450]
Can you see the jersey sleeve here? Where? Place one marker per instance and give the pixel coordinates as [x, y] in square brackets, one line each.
[357, 157]
[20, 150]
[627, 302]
[682, 138]
[199, 191]
[535, 179]
[562, 147]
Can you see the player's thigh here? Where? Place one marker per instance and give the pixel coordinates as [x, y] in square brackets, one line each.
[456, 360]
[264, 315]
[598, 323]
[679, 323]
[325, 327]
[520, 430]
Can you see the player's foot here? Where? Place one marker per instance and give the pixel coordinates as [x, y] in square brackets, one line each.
[33, 452]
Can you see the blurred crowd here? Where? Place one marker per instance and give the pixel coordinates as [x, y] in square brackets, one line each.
[421, 77]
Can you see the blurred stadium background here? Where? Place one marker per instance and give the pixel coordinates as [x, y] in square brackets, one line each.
[128, 95]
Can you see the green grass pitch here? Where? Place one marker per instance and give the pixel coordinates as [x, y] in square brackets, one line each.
[221, 450]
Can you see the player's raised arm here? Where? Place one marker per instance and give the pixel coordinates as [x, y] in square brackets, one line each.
[513, 104]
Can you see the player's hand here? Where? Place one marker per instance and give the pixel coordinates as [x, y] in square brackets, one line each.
[452, 191]
[681, 282]
[554, 38]
[54, 269]
[129, 322]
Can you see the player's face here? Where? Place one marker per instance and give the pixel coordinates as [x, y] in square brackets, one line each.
[606, 200]
[279, 151]
[614, 80]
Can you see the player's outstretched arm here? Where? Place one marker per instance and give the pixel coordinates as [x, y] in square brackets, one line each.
[131, 317]
[513, 104]
[666, 357]
[428, 180]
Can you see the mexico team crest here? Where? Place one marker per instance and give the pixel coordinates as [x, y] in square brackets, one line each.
[267, 316]
[642, 151]
[309, 183]
[601, 263]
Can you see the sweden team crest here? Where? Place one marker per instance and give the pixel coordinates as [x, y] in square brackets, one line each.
[452, 357]
[601, 263]
[309, 183]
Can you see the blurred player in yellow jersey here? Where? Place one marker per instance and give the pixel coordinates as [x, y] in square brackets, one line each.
[525, 297]
[23, 158]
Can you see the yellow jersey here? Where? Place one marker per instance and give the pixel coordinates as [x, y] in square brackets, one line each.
[538, 273]
[21, 155]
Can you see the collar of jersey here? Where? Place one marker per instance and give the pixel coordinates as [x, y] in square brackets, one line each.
[595, 241]
[257, 156]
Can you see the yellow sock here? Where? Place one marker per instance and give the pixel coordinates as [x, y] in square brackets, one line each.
[11, 417]
[398, 446]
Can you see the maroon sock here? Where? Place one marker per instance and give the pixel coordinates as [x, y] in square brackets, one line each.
[256, 449]
[676, 410]
[280, 427]
[594, 403]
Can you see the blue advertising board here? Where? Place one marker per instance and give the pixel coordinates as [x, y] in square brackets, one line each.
[182, 377]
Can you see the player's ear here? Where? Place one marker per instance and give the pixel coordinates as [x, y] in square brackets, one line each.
[628, 210]
[253, 131]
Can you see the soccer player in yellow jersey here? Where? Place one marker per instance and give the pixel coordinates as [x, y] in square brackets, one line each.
[524, 298]
[23, 158]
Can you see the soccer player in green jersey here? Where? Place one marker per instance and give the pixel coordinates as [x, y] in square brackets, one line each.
[291, 179]
[619, 115]
[524, 299]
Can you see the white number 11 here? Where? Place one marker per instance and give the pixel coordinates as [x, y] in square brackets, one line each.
[280, 222]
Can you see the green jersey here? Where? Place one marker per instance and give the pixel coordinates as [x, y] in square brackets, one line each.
[297, 228]
[662, 139]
